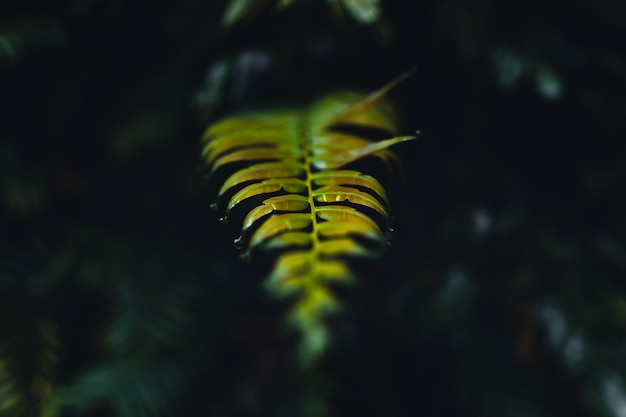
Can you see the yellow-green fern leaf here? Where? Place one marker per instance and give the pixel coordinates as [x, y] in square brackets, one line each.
[288, 176]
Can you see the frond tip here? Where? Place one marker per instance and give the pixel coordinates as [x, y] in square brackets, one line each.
[301, 199]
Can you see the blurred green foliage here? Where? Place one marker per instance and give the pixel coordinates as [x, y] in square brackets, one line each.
[503, 292]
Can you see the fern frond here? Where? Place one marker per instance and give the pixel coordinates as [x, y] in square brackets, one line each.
[28, 357]
[128, 387]
[363, 11]
[299, 195]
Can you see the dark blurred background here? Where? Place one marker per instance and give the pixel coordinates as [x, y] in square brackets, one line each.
[502, 294]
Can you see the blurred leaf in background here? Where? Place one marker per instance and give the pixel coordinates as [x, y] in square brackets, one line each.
[29, 348]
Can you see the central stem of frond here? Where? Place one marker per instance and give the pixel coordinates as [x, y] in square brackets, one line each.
[305, 143]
